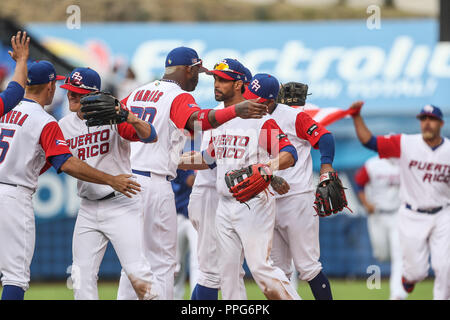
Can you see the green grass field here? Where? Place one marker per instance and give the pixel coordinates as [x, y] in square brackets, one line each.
[342, 290]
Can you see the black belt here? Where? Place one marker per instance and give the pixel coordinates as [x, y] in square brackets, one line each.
[9, 184]
[109, 196]
[427, 211]
[146, 173]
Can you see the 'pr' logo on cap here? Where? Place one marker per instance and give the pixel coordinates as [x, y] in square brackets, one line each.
[77, 76]
[255, 85]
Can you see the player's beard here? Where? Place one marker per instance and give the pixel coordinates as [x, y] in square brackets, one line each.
[428, 134]
[220, 96]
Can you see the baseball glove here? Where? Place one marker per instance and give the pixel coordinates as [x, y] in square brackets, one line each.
[247, 182]
[293, 94]
[101, 108]
[330, 195]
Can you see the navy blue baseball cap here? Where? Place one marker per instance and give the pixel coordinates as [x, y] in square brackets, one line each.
[248, 76]
[229, 69]
[184, 56]
[82, 80]
[263, 86]
[431, 111]
[40, 72]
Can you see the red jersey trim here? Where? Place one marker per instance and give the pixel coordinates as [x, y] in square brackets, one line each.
[183, 106]
[125, 100]
[362, 177]
[52, 140]
[389, 146]
[308, 129]
[272, 138]
[2, 107]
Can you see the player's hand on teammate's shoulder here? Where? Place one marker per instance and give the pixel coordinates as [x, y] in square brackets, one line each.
[20, 44]
[280, 185]
[250, 109]
[125, 185]
[355, 108]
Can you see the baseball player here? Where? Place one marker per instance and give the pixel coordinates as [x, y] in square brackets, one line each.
[186, 234]
[378, 182]
[246, 231]
[424, 214]
[168, 104]
[104, 214]
[204, 197]
[296, 233]
[29, 137]
[16, 88]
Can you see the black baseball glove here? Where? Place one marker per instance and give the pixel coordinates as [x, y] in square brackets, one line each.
[330, 195]
[102, 108]
[293, 94]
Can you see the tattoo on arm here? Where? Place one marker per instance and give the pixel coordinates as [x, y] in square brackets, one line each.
[212, 119]
[277, 182]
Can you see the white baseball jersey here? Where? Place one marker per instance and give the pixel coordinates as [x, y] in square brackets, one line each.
[106, 148]
[381, 181]
[303, 132]
[150, 103]
[206, 178]
[424, 172]
[242, 142]
[28, 137]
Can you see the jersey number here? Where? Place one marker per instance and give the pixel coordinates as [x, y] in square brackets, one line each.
[147, 114]
[4, 145]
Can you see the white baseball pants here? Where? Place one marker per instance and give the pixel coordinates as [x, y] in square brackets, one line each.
[186, 244]
[296, 236]
[202, 214]
[243, 232]
[17, 235]
[383, 234]
[422, 235]
[120, 221]
[160, 235]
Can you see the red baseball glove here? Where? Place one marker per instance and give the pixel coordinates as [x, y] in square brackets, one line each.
[247, 182]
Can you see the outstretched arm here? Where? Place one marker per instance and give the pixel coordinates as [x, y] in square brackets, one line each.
[209, 118]
[363, 133]
[82, 171]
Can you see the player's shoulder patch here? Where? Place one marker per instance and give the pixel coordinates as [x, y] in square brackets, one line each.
[312, 130]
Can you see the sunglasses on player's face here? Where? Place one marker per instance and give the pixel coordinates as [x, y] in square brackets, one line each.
[77, 83]
[223, 66]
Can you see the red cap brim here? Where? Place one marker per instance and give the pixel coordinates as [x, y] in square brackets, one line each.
[220, 74]
[75, 89]
[60, 77]
[248, 95]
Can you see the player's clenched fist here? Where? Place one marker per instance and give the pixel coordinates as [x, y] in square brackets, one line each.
[250, 109]
[123, 184]
[20, 44]
[355, 108]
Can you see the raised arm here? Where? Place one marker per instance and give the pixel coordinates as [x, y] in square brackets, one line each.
[20, 44]
[363, 133]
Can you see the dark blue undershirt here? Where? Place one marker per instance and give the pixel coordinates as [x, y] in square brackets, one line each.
[326, 148]
[11, 96]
